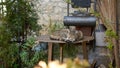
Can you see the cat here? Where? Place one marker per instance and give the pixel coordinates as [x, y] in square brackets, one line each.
[70, 35]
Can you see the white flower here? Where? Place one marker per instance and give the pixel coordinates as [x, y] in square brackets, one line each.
[42, 64]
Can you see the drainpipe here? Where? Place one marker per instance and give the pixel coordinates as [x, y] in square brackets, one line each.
[95, 3]
[117, 25]
[116, 47]
[68, 11]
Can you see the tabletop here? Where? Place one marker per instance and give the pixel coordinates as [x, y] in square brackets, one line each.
[46, 38]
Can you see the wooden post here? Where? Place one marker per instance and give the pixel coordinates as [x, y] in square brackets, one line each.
[85, 54]
[49, 51]
[61, 53]
[116, 44]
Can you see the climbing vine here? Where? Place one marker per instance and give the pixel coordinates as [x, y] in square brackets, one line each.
[110, 37]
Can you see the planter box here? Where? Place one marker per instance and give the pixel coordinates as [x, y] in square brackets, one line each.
[81, 3]
[87, 31]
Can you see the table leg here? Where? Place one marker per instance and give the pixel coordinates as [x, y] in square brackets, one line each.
[61, 53]
[49, 52]
[85, 53]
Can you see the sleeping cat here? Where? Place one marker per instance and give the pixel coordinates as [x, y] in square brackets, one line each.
[67, 35]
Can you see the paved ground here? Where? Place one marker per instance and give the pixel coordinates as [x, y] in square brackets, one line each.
[100, 55]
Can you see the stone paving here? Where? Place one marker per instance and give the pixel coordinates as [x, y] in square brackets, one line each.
[100, 55]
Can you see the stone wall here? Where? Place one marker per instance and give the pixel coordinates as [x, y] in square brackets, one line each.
[54, 9]
[51, 9]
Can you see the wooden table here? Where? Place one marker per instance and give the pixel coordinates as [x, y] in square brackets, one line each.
[45, 38]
